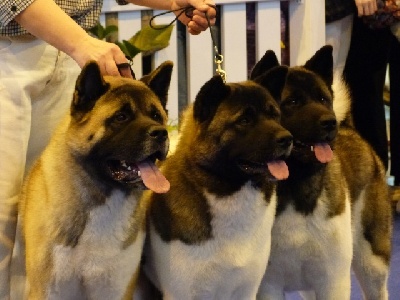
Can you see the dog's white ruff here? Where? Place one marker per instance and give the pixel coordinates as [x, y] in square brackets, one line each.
[228, 266]
[106, 269]
[310, 253]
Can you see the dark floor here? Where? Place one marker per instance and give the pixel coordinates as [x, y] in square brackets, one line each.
[394, 277]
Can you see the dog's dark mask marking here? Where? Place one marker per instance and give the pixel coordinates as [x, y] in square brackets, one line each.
[305, 97]
[241, 110]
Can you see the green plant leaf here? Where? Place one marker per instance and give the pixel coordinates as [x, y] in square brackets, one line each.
[129, 49]
[150, 40]
[101, 33]
[122, 47]
[145, 41]
[97, 31]
[109, 30]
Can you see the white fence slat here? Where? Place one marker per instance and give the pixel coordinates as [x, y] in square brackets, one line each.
[128, 24]
[307, 29]
[170, 53]
[268, 28]
[102, 19]
[200, 60]
[233, 40]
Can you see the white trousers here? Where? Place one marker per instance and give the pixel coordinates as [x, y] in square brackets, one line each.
[338, 34]
[36, 86]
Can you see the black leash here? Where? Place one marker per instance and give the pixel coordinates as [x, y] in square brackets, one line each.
[188, 11]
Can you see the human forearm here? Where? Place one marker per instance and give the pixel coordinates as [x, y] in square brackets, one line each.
[155, 4]
[47, 21]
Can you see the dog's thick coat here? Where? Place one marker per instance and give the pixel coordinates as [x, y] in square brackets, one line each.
[210, 234]
[333, 211]
[83, 223]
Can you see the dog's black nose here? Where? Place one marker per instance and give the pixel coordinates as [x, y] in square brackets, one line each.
[284, 139]
[328, 123]
[159, 133]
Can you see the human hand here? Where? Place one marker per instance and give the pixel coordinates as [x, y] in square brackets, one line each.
[366, 7]
[198, 22]
[107, 55]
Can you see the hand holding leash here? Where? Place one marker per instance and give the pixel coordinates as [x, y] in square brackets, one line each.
[189, 12]
[201, 16]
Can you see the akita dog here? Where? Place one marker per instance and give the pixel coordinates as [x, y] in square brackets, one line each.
[210, 234]
[83, 222]
[333, 211]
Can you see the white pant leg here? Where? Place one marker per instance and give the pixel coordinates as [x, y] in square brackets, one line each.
[28, 68]
[338, 34]
[50, 106]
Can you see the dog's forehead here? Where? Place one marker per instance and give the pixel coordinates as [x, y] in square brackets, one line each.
[300, 80]
[136, 93]
[249, 93]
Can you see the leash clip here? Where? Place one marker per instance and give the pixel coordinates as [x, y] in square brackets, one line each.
[218, 61]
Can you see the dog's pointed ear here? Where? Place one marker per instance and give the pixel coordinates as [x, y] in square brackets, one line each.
[159, 80]
[208, 98]
[89, 87]
[274, 81]
[322, 64]
[267, 62]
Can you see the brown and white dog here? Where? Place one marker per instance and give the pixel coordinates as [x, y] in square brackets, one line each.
[210, 234]
[83, 223]
[333, 211]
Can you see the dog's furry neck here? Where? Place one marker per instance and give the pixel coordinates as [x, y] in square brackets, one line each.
[310, 172]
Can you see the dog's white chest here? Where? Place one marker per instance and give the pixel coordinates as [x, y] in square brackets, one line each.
[101, 245]
[307, 249]
[228, 266]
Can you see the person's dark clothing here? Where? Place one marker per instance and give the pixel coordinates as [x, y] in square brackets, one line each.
[365, 73]
[338, 9]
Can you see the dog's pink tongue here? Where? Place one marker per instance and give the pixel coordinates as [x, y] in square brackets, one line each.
[278, 169]
[323, 152]
[152, 177]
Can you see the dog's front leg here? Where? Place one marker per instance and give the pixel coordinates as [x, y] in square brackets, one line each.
[338, 288]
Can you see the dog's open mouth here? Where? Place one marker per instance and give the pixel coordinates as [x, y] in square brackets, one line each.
[323, 151]
[135, 172]
[278, 168]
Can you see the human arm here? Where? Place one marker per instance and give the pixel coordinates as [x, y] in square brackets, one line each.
[366, 7]
[47, 21]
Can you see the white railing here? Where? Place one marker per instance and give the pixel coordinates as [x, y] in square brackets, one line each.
[306, 35]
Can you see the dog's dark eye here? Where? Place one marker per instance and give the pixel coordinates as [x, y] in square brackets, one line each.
[291, 101]
[246, 118]
[323, 100]
[244, 121]
[156, 116]
[121, 117]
